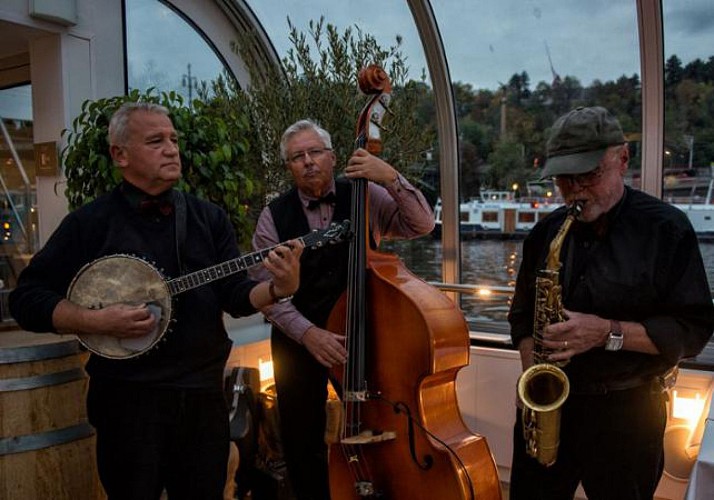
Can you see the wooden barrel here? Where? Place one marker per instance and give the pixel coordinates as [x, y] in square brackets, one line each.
[46, 444]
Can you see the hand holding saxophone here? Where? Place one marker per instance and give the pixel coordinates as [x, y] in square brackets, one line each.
[578, 333]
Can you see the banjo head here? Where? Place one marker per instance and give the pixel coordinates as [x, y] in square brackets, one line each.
[121, 279]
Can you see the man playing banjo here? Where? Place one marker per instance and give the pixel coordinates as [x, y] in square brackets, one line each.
[161, 418]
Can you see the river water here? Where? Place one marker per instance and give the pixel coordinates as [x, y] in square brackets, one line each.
[486, 263]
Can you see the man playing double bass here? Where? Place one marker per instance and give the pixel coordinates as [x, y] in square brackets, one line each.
[303, 350]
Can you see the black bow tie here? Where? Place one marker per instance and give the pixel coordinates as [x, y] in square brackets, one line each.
[328, 198]
[156, 206]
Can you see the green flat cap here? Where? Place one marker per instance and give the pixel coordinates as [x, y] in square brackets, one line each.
[578, 140]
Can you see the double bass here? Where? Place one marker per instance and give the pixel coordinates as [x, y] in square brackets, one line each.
[402, 435]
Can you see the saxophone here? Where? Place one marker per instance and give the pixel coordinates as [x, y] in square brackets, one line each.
[544, 387]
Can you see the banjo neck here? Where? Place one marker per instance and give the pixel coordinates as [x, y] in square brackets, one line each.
[224, 269]
[219, 271]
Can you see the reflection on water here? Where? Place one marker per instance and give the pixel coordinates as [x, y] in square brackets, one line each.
[485, 263]
[489, 263]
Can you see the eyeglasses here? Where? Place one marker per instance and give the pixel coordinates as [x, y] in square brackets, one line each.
[314, 153]
[584, 180]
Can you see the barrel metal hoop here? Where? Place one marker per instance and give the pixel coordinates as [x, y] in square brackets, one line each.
[48, 379]
[39, 352]
[31, 442]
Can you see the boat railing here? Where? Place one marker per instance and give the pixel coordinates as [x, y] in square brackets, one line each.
[687, 200]
[694, 190]
[482, 290]
[482, 332]
[497, 334]
[490, 195]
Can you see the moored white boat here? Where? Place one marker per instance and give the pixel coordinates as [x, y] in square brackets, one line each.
[695, 197]
[498, 214]
[702, 218]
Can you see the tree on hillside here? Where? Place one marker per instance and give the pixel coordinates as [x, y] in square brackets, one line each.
[696, 70]
[673, 72]
[518, 90]
[507, 166]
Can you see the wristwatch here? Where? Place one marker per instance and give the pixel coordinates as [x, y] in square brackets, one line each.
[615, 338]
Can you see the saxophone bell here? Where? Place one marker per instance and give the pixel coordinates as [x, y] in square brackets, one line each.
[542, 388]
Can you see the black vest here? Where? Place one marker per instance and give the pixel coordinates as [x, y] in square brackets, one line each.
[323, 271]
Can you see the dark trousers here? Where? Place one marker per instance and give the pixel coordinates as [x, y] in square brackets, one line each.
[612, 443]
[149, 439]
[301, 385]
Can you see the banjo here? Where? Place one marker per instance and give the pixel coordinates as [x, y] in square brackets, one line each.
[126, 279]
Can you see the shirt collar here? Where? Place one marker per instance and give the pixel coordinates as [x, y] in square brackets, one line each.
[135, 196]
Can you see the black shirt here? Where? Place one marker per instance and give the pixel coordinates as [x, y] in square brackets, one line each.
[640, 262]
[193, 352]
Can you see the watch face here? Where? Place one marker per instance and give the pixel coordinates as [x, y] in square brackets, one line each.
[615, 337]
[614, 342]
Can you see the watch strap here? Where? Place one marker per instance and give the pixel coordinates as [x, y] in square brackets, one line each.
[274, 296]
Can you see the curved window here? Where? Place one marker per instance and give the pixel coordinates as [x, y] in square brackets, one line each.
[687, 179]
[516, 67]
[384, 20]
[165, 52]
[392, 25]
[18, 216]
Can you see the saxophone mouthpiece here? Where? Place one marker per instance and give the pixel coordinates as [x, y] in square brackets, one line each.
[576, 208]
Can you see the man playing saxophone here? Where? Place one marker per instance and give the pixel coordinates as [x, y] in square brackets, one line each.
[634, 301]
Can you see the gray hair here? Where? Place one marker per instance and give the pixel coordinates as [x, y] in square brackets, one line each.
[118, 134]
[301, 126]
